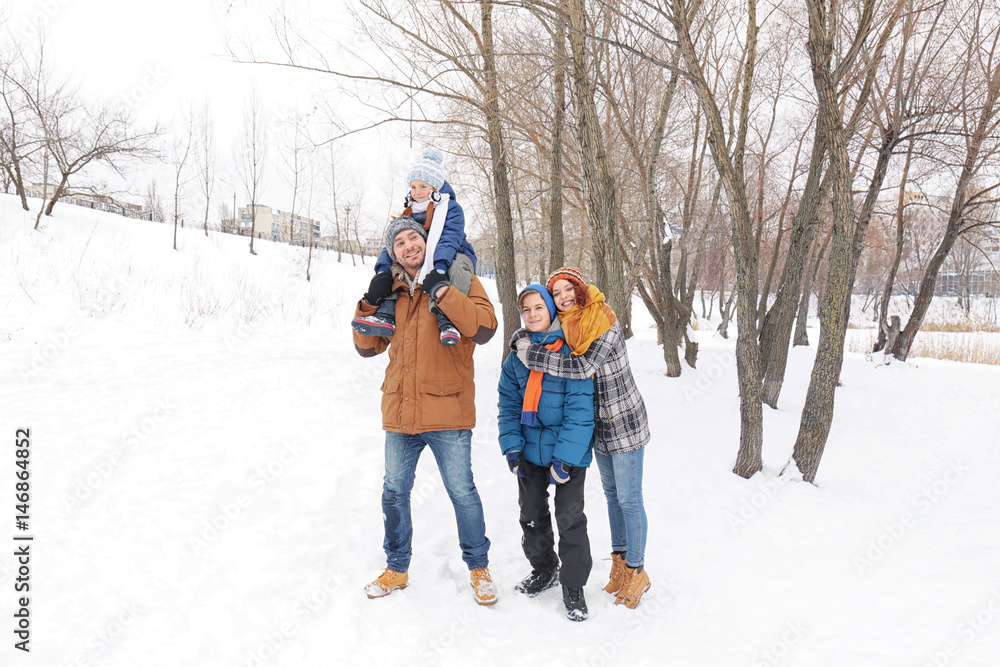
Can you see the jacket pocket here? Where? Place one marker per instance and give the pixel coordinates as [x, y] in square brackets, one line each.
[441, 403]
[390, 401]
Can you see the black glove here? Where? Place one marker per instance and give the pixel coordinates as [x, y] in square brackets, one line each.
[380, 287]
[435, 280]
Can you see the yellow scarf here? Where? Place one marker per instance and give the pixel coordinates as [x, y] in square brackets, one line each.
[582, 325]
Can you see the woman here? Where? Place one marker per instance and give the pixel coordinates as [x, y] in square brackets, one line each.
[621, 425]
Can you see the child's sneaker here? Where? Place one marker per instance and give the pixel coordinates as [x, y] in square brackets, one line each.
[538, 581]
[374, 325]
[450, 335]
[386, 583]
[483, 587]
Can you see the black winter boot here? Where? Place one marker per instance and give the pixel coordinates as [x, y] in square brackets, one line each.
[538, 581]
[576, 605]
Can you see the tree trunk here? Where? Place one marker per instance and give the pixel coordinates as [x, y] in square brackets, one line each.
[970, 168]
[802, 318]
[557, 257]
[848, 233]
[748, 459]
[890, 280]
[18, 179]
[506, 273]
[599, 187]
[776, 329]
[670, 331]
[762, 308]
[60, 191]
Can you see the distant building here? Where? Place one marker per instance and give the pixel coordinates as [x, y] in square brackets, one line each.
[299, 229]
[971, 268]
[88, 200]
[372, 246]
[282, 226]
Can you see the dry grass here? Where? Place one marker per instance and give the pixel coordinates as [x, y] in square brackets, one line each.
[973, 347]
[964, 325]
[974, 323]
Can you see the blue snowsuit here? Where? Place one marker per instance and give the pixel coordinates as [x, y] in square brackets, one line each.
[452, 241]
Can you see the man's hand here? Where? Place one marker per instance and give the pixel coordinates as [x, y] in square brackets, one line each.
[380, 287]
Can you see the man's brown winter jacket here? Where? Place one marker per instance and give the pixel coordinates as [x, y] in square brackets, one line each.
[429, 386]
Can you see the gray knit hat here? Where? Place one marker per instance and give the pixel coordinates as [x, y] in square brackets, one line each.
[428, 168]
[398, 225]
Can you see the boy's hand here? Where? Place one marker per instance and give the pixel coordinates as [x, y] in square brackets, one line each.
[558, 472]
[514, 462]
[379, 288]
[435, 281]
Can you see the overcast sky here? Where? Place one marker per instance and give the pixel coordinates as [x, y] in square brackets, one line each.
[161, 57]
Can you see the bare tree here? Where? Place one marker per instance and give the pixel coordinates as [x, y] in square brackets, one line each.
[599, 186]
[729, 160]
[848, 227]
[296, 160]
[443, 51]
[20, 138]
[557, 245]
[334, 190]
[253, 156]
[976, 185]
[207, 160]
[182, 149]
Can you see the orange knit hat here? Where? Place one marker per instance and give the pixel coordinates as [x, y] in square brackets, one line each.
[570, 273]
[574, 276]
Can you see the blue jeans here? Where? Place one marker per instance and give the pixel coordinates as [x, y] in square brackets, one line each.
[453, 453]
[621, 477]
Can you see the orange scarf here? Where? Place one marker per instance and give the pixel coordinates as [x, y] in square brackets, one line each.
[582, 325]
[533, 391]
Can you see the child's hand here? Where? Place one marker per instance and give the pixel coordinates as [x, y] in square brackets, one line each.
[434, 282]
[379, 288]
[514, 462]
[558, 472]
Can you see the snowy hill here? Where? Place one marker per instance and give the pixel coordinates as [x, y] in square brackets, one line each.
[206, 468]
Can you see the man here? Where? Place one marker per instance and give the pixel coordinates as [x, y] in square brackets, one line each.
[428, 399]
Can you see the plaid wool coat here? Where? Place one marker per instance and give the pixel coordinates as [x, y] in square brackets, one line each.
[620, 413]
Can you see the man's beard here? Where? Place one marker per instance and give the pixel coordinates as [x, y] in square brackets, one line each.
[413, 265]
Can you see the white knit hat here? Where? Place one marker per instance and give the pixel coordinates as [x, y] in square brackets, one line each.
[428, 168]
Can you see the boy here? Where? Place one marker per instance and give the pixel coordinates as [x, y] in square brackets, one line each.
[449, 259]
[546, 425]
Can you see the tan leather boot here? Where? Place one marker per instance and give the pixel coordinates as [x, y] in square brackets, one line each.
[636, 583]
[386, 583]
[617, 575]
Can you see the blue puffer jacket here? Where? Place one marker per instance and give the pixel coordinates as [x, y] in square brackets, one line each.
[565, 422]
[452, 237]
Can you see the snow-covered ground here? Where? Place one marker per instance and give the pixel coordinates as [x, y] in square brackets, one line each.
[206, 466]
